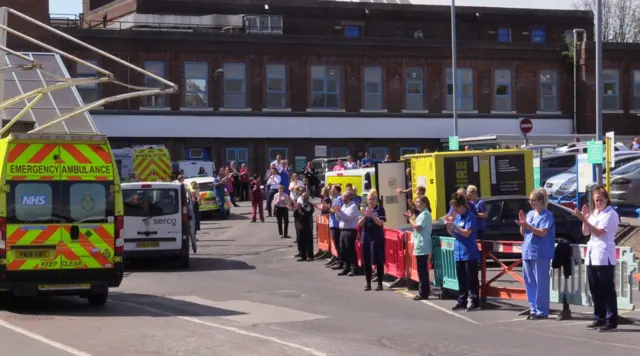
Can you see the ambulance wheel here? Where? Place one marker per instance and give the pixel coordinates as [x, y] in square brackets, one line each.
[184, 261]
[98, 299]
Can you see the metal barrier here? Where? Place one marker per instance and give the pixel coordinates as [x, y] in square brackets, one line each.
[395, 253]
[323, 234]
[487, 254]
[444, 263]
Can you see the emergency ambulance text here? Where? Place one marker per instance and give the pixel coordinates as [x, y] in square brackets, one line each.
[33, 169]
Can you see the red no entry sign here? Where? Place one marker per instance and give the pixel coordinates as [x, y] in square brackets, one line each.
[526, 125]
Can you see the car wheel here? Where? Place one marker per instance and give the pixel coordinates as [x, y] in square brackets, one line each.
[98, 299]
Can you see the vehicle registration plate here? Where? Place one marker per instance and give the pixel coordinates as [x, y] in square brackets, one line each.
[147, 244]
[33, 254]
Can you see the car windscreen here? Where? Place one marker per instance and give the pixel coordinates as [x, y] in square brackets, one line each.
[627, 168]
[60, 202]
[150, 202]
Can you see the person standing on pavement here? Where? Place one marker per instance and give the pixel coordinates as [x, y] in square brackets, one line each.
[195, 200]
[244, 182]
[303, 215]
[284, 176]
[481, 210]
[312, 178]
[602, 225]
[539, 232]
[372, 239]
[257, 196]
[273, 183]
[422, 247]
[334, 227]
[282, 203]
[231, 186]
[219, 184]
[235, 175]
[462, 226]
[347, 216]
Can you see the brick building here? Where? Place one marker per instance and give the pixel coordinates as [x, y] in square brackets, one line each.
[295, 76]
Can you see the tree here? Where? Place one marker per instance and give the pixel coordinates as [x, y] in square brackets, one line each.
[620, 19]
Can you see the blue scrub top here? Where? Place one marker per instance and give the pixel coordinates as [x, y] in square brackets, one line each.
[219, 190]
[333, 221]
[465, 248]
[536, 247]
[284, 180]
[472, 209]
[481, 207]
[371, 231]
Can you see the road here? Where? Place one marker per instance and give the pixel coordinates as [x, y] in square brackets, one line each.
[245, 295]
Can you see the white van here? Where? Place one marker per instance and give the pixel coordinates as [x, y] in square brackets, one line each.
[158, 221]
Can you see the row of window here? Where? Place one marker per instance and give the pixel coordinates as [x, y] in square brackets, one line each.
[325, 88]
[241, 154]
[537, 35]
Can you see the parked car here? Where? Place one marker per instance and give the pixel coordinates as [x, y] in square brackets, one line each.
[323, 165]
[555, 164]
[625, 184]
[581, 147]
[502, 212]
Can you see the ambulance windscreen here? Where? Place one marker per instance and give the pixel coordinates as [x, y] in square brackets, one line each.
[56, 103]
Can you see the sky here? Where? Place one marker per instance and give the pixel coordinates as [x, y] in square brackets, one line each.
[75, 6]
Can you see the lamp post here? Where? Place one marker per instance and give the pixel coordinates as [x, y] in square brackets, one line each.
[598, 34]
[454, 74]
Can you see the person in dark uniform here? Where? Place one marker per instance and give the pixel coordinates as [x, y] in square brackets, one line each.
[461, 224]
[303, 215]
[372, 239]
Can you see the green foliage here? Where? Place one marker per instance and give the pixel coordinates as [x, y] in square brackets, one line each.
[568, 53]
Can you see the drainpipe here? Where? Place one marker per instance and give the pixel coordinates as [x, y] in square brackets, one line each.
[575, 74]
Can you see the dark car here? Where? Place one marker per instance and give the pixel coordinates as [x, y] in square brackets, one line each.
[502, 212]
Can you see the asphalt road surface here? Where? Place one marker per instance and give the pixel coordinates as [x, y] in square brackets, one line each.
[246, 295]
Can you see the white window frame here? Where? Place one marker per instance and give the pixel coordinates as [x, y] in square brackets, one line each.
[230, 75]
[256, 24]
[502, 102]
[278, 72]
[413, 101]
[465, 78]
[196, 156]
[545, 75]
[155, 101]
[610, 90]
[236, 152]
[331, 73]
[372, 75]
[373, 150]
[204, 93]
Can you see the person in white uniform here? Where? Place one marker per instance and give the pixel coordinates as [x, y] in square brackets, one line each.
[602, 225]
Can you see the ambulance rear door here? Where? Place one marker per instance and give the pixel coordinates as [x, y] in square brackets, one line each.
[152, 164]
[34, 206]
[389, 177]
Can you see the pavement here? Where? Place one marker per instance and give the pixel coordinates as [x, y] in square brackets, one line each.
[246, 295]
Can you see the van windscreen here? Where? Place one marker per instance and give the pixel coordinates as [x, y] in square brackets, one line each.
[150, 202]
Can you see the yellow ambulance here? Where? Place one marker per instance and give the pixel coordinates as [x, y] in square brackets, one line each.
[152, 164]
[61, 216]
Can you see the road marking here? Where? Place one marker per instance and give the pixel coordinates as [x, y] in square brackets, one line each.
[573, 338]
[275, 340]
[442, 309]
[44, 340]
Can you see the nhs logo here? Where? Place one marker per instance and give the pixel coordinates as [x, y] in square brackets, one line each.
[34, 200]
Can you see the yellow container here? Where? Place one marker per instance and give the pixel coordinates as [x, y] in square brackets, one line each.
[495, 173]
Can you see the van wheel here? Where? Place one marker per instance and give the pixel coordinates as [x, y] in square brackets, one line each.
[98, 299]
[184, 262]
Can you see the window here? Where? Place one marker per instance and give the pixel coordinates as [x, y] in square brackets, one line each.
[464, 89]
[636, 90]
[88, 92]
[568, 36]
[337, 152]
[414, 89]
[264, 24]
[150, 202]
[155, 101]
[274, 152]
[196, 90]
[372, 88]
[504, 34]
[408, 151]
[502, 87]
[610, 95]
[276, 86]
[378, 154]
[325, 87]
[196, 153]
[32, 202]
[240, 155]
[352, 31]
[88, 201]
[548, 91]
[235, 86]
[538, 35]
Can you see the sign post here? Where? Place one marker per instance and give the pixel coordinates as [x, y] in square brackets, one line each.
[609, 160]
[526, 125]
[454, 143]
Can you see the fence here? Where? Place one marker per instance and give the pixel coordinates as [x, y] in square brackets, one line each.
[507, 282]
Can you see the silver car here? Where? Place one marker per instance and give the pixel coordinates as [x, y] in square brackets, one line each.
[552, 184]
[625, 184]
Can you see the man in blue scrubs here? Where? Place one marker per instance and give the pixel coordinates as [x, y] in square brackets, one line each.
[219, 184]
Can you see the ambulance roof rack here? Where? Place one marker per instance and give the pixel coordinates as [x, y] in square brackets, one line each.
[36, 87]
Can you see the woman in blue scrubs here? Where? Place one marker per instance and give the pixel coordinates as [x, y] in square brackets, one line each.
[372, 239]
[462, 226]
[539, 232]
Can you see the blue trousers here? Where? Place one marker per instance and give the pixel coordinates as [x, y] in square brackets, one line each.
[223, 211]
[537, 282]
